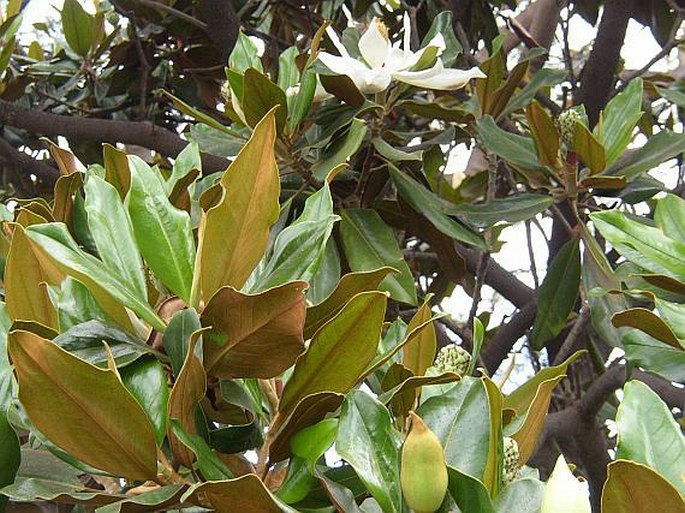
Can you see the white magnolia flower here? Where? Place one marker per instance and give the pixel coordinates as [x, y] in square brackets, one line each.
[564, 493]
[385, 62]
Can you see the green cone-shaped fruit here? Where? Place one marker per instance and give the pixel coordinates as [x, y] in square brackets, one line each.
[423, 472]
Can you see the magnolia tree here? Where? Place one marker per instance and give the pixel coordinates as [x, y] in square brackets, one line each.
[237, 302]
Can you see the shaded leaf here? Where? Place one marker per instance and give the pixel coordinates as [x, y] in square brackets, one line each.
[310, 410]
[544, 134]
[207, 462]
[658, 149]
[558, 294]
[429, 205]
[164, 497]
[468, 492]
[521, 496]
[370, 244]
[516, 149]
[146, 379]
[260, 95]
[619, 118]
[78, 27]
[188, 391]
[511, 210]
[177, 337]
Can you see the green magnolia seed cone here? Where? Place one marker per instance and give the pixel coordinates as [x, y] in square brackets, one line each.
[423, 472]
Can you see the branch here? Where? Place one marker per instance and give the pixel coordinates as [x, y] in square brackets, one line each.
[598, 76]
[39, 168]
[497, 349]
[141, 133]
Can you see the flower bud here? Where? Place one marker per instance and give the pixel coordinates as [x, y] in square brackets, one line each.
[566, 124]
[453, 358]
[511, 459]
[423, 472]
[564, 493]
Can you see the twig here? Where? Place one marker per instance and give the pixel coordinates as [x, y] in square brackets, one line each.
[570, 340]
[174, 12]
[531, 255]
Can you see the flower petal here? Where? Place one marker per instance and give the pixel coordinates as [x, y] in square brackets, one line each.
[374, 44]
[564, 493]
[438, 77]
[341, 65]
[336, 42]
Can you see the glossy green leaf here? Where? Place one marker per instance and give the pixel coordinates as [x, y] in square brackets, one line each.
[516, 149]
[186, 162]
[58, 247]
[589, 149]
[669, 216]
[558, 294]
[177, 337]
[341, 150]
[10, 453]
[429, 205]
[5, 324]
[78, 27]
[370, 244]
[442, 24]
[112, 232]
[162, 231]
[85, 340]
[146, 379]
[350, 340]
[619, 119]
[659, 148]
[313, 441]
[510, 210]
[521, 496]
[99, 420]
[648, 434]
[299, 249]
[461, 420]
[468, 492]
[240, 222]
[298, 481]
[206, 461]
[349, 286]
[308, 412]
[156, 499]
[254, 336]
[327, 277]
[198, 115]
[368, 441]
[643, 245]
[260, 95]
[75, 305]
[635, 488]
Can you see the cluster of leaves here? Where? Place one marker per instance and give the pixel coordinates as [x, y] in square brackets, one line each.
[206, 339]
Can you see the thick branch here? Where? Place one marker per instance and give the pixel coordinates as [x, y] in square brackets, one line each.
[141, 133]
[498, 348]
[599, 74]
[39, 168]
